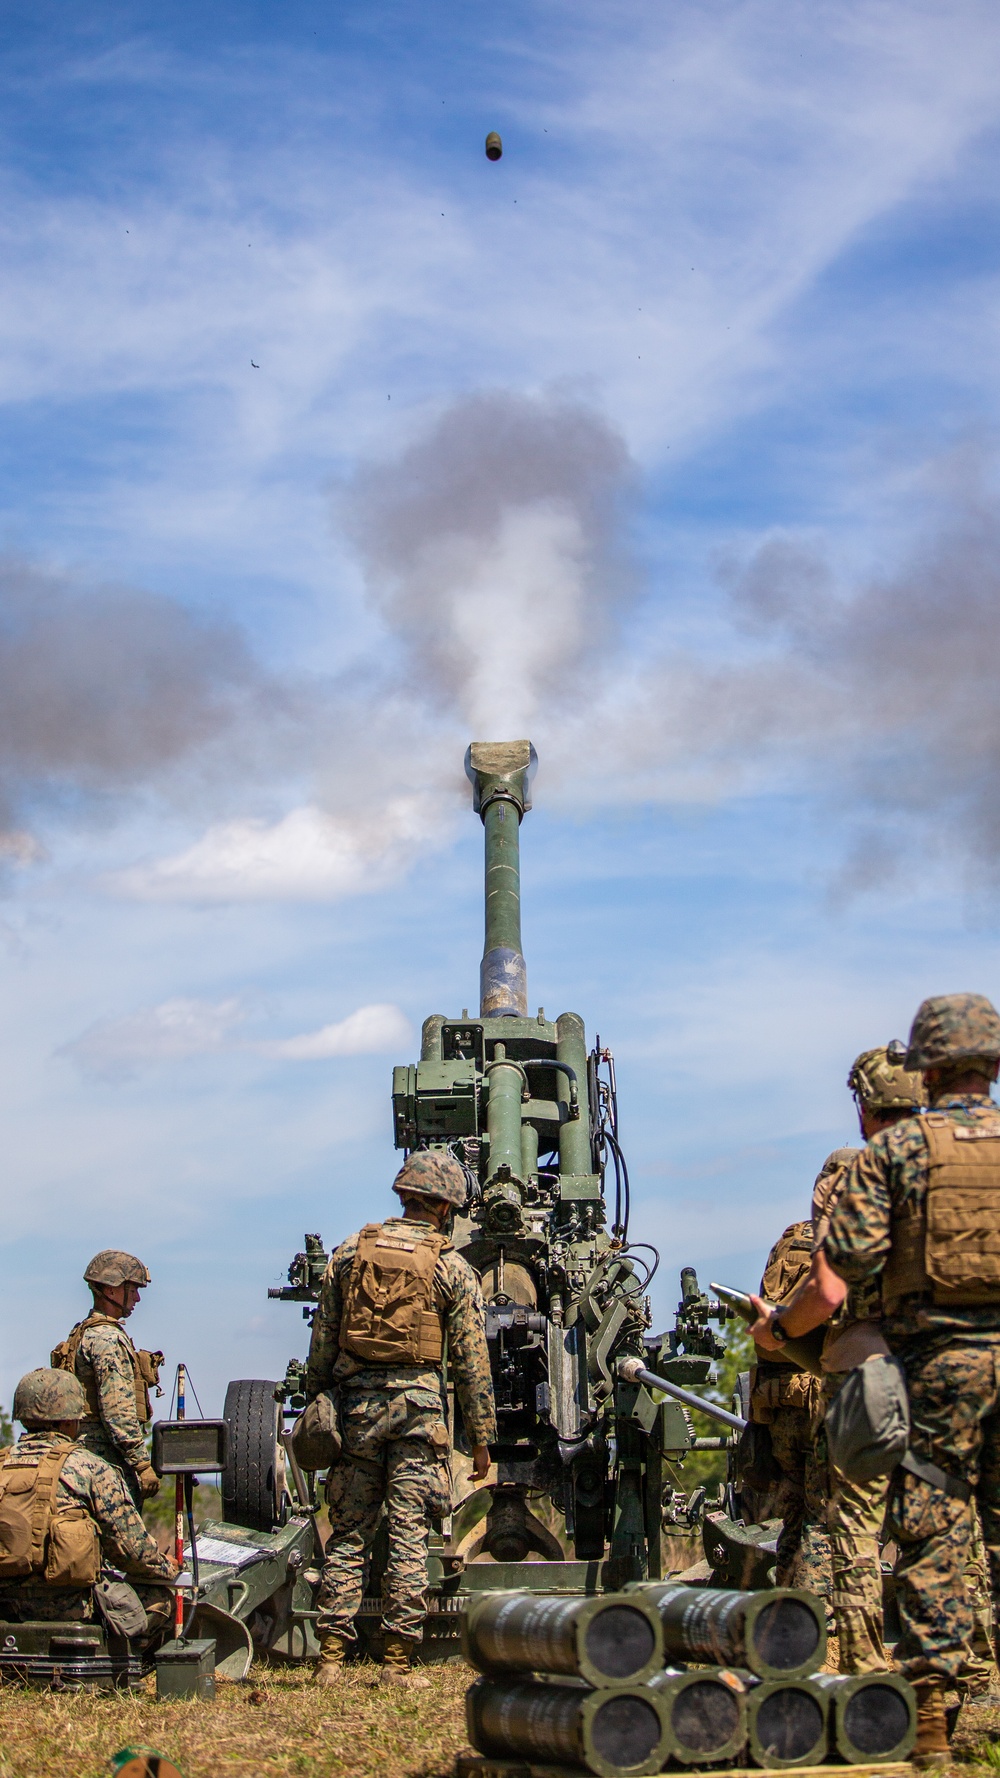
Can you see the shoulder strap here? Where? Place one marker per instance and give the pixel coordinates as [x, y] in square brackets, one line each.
[44, 1504]
[937, 1478]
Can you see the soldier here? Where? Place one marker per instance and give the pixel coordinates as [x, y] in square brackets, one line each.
[64, 1514]
[921, 1209]
[883, 1093]
[392, 1295]
[788, 1401]
[115, 1376]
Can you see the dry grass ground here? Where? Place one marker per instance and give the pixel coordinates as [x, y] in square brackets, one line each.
[274, 1725]
[277, 1726]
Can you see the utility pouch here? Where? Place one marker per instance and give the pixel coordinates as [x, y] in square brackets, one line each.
[868, 1421]
[315, 1436]
[17, 1499]
[73, 1558]
[121, 1608]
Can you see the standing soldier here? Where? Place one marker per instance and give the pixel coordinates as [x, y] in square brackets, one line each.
[65, 1515]
[921, 1208]
[115, 1375]
[789, 1402]
[394, 1298]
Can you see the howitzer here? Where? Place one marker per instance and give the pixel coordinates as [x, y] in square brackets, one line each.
[530, 1111]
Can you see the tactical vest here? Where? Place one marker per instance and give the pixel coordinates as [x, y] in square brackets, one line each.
[390, 1315]
[39, 1539]
[145, 1367]
[778, 1383]
[949, 1248]
[788, 1263]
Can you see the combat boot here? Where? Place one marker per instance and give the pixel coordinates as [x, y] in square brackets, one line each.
[931, 1748]
[396, 1667]
[329, 1669]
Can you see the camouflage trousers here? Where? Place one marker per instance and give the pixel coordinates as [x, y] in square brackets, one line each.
[395, 1453]
[31, 1601]
[955, 1423]
[803, 1500]
[857, 1515]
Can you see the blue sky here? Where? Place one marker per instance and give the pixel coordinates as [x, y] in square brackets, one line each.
[670, 439]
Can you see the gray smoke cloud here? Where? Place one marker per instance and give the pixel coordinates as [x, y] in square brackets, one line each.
[106, 691]
[493, 550]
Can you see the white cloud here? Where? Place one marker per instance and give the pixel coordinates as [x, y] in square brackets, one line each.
[118, 1048]
[371, 1031]
[306, 856]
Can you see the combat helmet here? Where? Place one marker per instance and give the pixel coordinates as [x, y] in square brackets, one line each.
[883, 1080]
[43, 1397]
[112, 1266]
[954, 1028]
[432, 1173]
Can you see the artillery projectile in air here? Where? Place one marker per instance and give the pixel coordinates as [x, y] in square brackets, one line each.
[494, 146]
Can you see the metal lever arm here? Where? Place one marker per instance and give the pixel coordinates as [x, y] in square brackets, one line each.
[632, 1370]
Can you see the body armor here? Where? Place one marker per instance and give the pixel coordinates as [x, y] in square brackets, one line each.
[390, 1315]
[56, 1544]
[145, 1366]
[949, 1249]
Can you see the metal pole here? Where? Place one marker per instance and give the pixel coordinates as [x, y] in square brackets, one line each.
[179, 1513]
[632, 1370]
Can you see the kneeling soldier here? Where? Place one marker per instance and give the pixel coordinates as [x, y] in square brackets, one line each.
[391, 1296]
[66, 1514]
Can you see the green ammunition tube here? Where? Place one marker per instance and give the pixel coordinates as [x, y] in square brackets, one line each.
[778, 1634]
[704, 1714]
[611, 1640]
[872, 1716]
[608, 1731]
[786, 1722]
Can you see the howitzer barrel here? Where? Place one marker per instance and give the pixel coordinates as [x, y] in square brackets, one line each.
[606, 1732]
[704, 1714]
[786, 1722]
[872, 1716]
[606, 1641]
[778, 1634]
[633, 1371]
[501, 773]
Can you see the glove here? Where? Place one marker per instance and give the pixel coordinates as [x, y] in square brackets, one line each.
[148, 1481]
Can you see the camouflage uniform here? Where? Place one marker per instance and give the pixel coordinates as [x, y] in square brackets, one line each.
[788, 1400]
[395, 1442]
[85, 1480]
[951, 1355]
[104, 1365]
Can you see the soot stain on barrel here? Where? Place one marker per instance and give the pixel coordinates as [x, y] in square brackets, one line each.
[625, 1731]
[705, 1716]
[876, 1719]
[619, 1641]
[785, 1634]
[789, 1723]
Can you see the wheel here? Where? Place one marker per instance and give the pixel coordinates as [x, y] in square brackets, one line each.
[253, 1483]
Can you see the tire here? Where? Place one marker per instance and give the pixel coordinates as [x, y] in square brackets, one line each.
[253, 1483]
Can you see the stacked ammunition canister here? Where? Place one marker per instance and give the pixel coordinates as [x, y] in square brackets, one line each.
[582, 1683]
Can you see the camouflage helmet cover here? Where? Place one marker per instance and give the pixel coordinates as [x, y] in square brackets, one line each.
[44, 1397]
[952, 1026]
[432, 1173]
[828, 1178]
[880, 1082]
[112, 1266]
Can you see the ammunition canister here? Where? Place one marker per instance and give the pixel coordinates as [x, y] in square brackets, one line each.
[778, 1634]
[611, 1640]
[786, 1722]
[704, 1714]
[872, 1716]
[610, 1731]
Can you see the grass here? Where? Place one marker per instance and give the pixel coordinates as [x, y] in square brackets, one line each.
[276, 1725]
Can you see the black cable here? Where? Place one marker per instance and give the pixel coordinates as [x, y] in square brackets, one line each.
[616, 1151]
[195, 1577]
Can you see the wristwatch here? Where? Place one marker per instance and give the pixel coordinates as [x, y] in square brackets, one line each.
[776, 1330]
